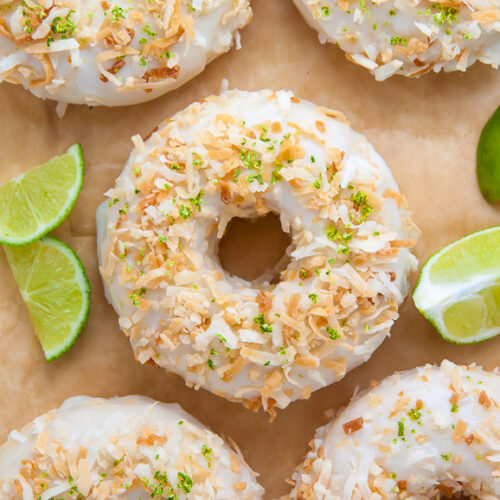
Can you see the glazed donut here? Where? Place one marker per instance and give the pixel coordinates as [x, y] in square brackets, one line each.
[409, 37]
[244, 154]
[121, 448]
[430, 432]
[113, 53]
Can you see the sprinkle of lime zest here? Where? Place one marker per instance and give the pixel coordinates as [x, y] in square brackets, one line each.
[197, 201]
[185, 212]
[275, 174]
[446, 14]
[236, 174]
[221, 338]
[252, 177]
[343, 250]
[147, 29]
[63, 25]
[197, 160]
[313, 297]
[414, 414]
[332, 333]
[185, 482]
[399, 40]
[263, 325]
[249, 159]
[401, 429]
[73, 487]
[360, 202]
[454, 408]
[117, 13]
[331, 232]
[207, 453]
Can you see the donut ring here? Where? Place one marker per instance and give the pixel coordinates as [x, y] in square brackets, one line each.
[113, 53]
[426, 433]
[244, 154]
[121, 448]
[406, 37]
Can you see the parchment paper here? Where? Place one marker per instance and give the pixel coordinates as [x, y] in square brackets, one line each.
[426, 130]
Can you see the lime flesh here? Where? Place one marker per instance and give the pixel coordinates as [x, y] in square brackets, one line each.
[36, 202]
[55, 288]
[458, 290]
[488, 159]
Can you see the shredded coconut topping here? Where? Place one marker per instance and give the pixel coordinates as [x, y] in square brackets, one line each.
[409, 37]
[246, 154]
[113, 52]
[432, 432]
[126, 448]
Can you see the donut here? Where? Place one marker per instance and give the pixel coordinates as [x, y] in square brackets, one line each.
[113, 53]
[121, 448]
[245, 154]
[409, 37]
[431, 432]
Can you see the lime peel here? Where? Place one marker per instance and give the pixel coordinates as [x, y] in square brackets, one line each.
[488, 159]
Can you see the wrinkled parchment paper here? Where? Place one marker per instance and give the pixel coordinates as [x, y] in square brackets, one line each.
[426, 130]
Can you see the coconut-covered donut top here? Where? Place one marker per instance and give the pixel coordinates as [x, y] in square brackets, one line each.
[431, 432]
[245, 154]
[127, 448]
[113, 52]
[409, 37]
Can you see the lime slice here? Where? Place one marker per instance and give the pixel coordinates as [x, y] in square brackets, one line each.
[458, 289]
[488, 159]
[34, 203]
[53, 283]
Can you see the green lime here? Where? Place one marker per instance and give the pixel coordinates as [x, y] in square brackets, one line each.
[488, 159]
[458, 289]
[53, 283]
[34, 203]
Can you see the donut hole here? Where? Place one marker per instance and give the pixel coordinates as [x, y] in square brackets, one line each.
[255, 249]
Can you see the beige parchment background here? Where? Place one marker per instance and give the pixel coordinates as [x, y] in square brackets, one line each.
[426, 130]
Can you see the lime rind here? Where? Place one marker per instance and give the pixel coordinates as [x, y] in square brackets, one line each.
[488, 159]
[433, 300]
[45, 227]
[25, 276]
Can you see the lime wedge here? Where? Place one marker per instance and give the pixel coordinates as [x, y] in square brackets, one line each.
[488, 159]
[34, 203]
[458, 289]
[53, 283]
